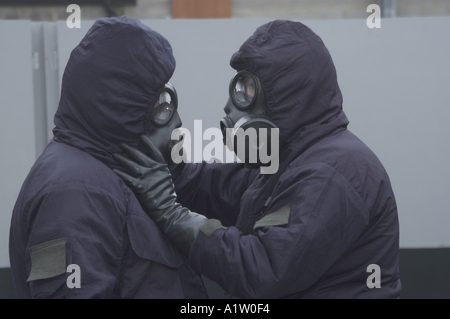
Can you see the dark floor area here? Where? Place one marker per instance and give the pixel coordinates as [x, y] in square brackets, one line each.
[425, 274]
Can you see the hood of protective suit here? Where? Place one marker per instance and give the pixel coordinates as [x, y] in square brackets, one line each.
[110, 83]
[298, 77]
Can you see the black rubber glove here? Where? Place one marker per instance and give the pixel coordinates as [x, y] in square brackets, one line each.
[174, 168]
[150, 180]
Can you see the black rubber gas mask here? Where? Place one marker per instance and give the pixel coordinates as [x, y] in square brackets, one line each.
[247, 128]
[162, 120]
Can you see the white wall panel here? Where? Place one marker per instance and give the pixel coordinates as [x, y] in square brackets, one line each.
[17, 127]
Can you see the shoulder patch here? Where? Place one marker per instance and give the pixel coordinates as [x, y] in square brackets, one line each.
[48, 259]
[278, 218]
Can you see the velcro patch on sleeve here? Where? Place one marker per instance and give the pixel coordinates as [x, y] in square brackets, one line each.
[48, 259]
[278, 218]
[211, 226]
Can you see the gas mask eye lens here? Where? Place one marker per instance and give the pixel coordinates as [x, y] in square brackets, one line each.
[162, 113]
[165, 107]
[243, 90]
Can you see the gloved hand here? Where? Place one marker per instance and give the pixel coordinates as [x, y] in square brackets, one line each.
[150, 180]
[180, 156]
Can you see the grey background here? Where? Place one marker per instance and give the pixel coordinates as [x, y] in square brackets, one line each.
[17, 128]
[394, 82]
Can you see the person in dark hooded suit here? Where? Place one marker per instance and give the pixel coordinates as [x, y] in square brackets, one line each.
[324, 225]
[77, 231]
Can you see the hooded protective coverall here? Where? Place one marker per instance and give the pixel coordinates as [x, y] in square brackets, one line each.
[313, 229]
[73, 209]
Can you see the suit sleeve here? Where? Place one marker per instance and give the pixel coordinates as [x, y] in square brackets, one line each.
[214, 190]
[75, 243]
[313, 219]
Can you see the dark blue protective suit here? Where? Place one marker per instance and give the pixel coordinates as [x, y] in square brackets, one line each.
[312, 229]
[73, 209]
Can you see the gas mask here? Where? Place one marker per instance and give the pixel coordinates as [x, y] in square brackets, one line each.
[162, 120]
[247, 129]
